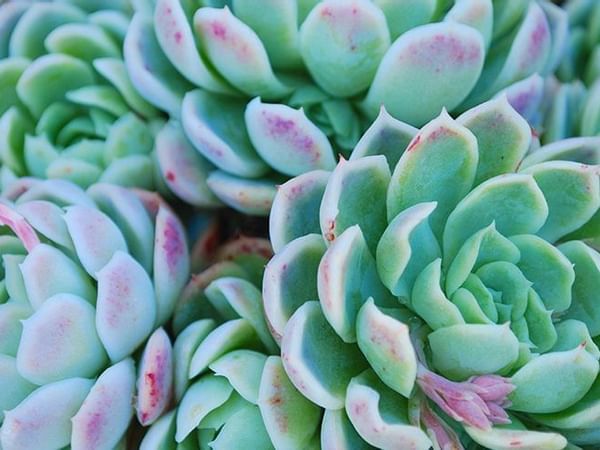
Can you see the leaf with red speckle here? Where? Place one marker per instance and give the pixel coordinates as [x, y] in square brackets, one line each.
[171, 262]
[105, 413]
[237, 52]
[60, 341]
[155, 378]
[175, 37]
[96, 238]
[286, 139]
[427, 68]
[126, 306]
[344, 37]
[183, 169]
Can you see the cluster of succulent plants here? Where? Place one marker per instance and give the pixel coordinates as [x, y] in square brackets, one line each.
[392, 206]
[265, 93]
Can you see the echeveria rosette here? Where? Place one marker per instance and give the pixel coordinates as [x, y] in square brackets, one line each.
[68, 108]
[87, 276]
[444, 295]
[284, 87]
[230, 387]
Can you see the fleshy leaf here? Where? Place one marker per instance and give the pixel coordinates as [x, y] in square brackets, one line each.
[28, 36]
[286, 139]
[584, 303]
[82, 41]
[126, 307]
[235, 297]
[150, 71]
[585, 150]
[252, 197]
[128, 213]
[60, 341]
[171, 262]
[355, 195]
[572, 192]
[491, 349]
[554, 381]
[386, 136]
[540, 328]
[583, 414]
[236, 52]
[478, 14]
[13, 387]
[402, 15]
[95, 237]
[316, 360]
[276, 24]
[49, 78]
[214, 125]
[438, 165]
[183, 169]
[223, 339]
[341, 37]
[185, 345]
[405, 248]
[290, 279]
[155, 378]
[295, 210]
[503, 137]
[338, 433]
[44, 416]
[11, 316]
[174, 34]
[245, 427]
[503, 438]
[433, 66]
[525, 213]
[243, 369]
[385, 342]
[548, 269]
[202, 397]
[103, 418]
[526, 96]
[290, 419]
[48, 271]
[347, 276]
[380, 415]
[429, 301]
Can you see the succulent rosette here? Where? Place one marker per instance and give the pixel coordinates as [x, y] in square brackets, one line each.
[87, 278]
[262, 91]
[230, 388]
[68, 109]
[443, 293]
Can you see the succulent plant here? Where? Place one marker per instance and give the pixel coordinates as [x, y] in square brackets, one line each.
[230, 388]
[269, 90]
[87, 276]
[443, 294]
[68, 109]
